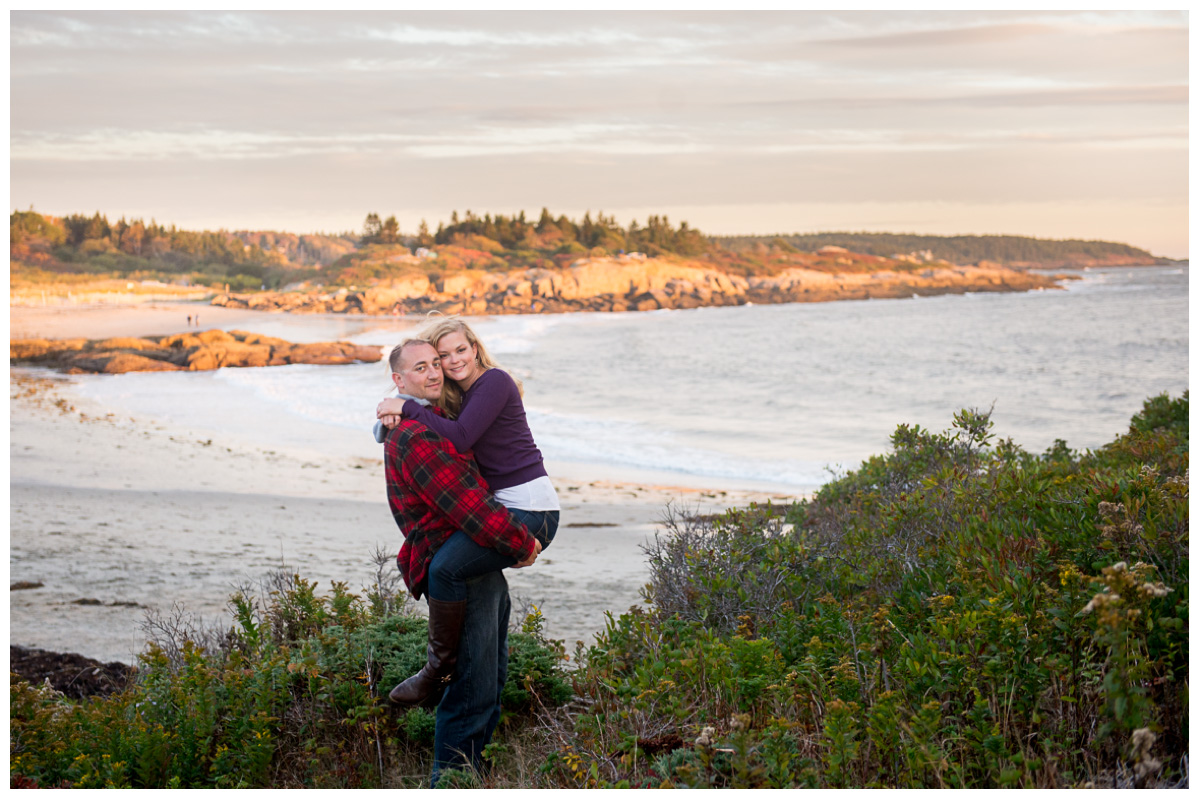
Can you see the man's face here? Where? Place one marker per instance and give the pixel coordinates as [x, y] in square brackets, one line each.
[420, 372]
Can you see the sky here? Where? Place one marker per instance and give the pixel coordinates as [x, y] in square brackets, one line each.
[1066, 124]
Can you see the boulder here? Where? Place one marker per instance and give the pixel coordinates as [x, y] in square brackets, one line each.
[240, 354]
[125, 343]
[184, 351]
[468, 282]
[37, 349]
[320, 353]
[201, 358]
[180, 341]
[397, 291]
[646, 301]
[258, 338]
[117, 363]
[215, 336]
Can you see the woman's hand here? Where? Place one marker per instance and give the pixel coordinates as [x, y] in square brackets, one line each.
[390, 407]
[390, 421]
[537, 549]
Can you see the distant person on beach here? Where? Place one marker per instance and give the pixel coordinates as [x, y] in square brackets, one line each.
[435, 494]
[489, 420]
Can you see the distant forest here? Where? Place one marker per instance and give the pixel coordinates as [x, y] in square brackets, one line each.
[955, 249]
[244, 260]
[516, 233]
[42, 245]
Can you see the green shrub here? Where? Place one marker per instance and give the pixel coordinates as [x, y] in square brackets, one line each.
[293, 696]
[957, 613]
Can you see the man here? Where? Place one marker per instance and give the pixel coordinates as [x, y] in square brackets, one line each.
[434, 491]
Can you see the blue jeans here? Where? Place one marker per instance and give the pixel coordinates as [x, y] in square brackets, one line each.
[461, 558]
[470, 708]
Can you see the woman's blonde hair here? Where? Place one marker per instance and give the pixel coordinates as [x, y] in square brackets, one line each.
[451, 393]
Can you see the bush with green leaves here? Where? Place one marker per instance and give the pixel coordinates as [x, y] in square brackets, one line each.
[957, 613]
[294, 695]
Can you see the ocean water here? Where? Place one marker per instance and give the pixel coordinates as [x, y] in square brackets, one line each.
[779, 396]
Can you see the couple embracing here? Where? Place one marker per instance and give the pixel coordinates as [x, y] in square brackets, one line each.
[464, 520]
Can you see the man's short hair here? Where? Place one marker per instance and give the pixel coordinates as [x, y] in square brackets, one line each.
[396, 357]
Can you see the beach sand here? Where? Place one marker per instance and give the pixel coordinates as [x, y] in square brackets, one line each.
[118, 517]
[161, 318]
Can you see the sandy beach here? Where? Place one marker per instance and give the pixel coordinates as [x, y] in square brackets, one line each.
[101, 321]
[117, 516]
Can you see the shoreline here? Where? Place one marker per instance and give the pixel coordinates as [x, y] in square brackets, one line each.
[132, 513]
[613, 284]
[592, 286]
[126, 315]
[112, 517]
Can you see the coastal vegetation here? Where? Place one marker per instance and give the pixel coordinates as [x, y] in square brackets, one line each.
[958, 612]
[288, 697]
[1006, 250]
[78, 247]
[45, 249]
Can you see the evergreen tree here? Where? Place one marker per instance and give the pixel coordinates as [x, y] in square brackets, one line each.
[423, 237]
[389, 233]
[545, 222]
[371, 229]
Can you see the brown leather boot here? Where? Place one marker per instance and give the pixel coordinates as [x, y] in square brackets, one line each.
[445, 627]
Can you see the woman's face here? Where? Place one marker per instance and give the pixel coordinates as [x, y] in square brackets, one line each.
[458, 358]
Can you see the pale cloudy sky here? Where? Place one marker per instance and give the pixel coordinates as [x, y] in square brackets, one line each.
[1062, 124]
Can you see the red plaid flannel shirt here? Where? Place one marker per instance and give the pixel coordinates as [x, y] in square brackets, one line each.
[433, 491]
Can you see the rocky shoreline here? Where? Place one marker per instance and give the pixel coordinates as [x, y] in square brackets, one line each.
[206, 350]
[71, 674]
[627, 284]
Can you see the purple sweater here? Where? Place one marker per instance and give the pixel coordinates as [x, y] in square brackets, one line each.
[492, 423]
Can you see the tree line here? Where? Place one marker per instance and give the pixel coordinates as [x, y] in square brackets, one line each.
[77, 236]
[253, 259]
[517, 233]
[93, 244]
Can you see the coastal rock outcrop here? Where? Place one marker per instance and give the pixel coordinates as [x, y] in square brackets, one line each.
[206, 350]
[76, 676]
[626, 284]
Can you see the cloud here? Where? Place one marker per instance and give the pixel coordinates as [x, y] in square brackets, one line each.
[470, 36]
[153, 145]
[949, 37]
[585, 109]
[900, 140]
[1100, 95]
[224, 145]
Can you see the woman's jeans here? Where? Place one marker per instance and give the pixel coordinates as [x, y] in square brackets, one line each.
[461, 557]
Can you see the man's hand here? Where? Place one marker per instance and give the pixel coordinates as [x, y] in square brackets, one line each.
[537, 549]
[390, 421]
[390, 407]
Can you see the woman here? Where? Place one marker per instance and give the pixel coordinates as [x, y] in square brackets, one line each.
[490, 420]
